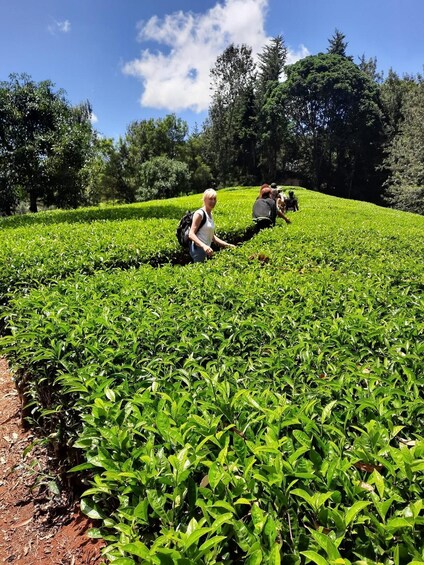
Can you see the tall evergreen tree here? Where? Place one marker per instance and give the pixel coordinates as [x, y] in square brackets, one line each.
[271, 62]
[369, 66]
[337, 44]
[394, 91]
[233, 78]
[271, 122]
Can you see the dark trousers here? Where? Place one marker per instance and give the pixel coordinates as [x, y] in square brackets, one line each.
[262, 223]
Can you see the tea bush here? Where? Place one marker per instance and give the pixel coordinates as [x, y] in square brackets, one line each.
[52, 245]
[263, 407]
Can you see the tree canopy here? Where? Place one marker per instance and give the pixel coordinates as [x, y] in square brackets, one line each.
[337, 44]
[339, 126]
[405, 155]
[44, 142]
[335, 115]
[230, 130]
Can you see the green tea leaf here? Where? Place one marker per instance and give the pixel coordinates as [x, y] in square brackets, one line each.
[137, 548]
[354, 510]
[315, 557]
[91, 510]
[211, 542]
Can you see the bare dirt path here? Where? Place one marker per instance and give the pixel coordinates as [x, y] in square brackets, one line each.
[35, 526]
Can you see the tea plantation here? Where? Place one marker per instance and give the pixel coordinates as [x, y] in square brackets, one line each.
[263, 407]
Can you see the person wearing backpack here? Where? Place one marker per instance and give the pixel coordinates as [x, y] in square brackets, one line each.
[265, 210]
[202, 231]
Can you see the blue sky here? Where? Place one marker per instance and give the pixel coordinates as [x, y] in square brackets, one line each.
[137, 59]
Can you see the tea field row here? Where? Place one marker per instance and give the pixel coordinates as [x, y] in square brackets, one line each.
[263, 407]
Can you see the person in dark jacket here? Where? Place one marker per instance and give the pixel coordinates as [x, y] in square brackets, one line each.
[265, 210]
[291, 202]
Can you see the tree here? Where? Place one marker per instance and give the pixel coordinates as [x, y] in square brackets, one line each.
[107, 173]
[194, 155]
[334, 112]
[405, 157]
[9, 197]
[28, 115]
[147, 139]
[72, 145]
[153, 138]
[337, 44]
[394, 91]
[163, 178]
[120, 185]
[43, 141]
[369, 66]
[271, 63]
[230, 127]
[272, 132]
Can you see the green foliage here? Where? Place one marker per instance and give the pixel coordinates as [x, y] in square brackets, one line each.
[394, 90]
[337, 44]
[239, 410]
[9, 194]
[405, 159]
[369, 66]
[156, 159]
[334, 125]
[274, 137]
[328, 123]
[334, 110]
[230, 130]
[201, 178]
[272, 130]
[69, 156]
[194, 155]
[272, 61]
[153, 138]
[106, 173]
[52, 245]
[163, 178]
[43, 144]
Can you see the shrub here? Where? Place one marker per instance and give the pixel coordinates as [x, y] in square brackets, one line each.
[163, 178]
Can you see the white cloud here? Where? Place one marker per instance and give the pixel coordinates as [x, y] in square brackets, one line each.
[93, 118]
[177, 77]
[293, 56]
[61, 27]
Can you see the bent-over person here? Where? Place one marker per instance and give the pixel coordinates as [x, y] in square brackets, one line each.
[265, 210]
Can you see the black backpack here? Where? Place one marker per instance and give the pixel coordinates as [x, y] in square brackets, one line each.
[184, 226]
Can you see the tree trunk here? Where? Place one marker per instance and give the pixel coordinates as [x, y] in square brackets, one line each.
[33, 201]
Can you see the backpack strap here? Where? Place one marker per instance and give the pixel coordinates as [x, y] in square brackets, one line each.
[203, 220]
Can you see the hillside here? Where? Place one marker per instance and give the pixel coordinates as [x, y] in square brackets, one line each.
[264, 407]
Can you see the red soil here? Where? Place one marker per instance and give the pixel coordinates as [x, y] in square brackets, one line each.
[36, 527]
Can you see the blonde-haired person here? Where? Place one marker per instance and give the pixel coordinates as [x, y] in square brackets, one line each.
[202, 231]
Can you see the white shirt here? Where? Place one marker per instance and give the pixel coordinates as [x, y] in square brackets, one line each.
[206, 232]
